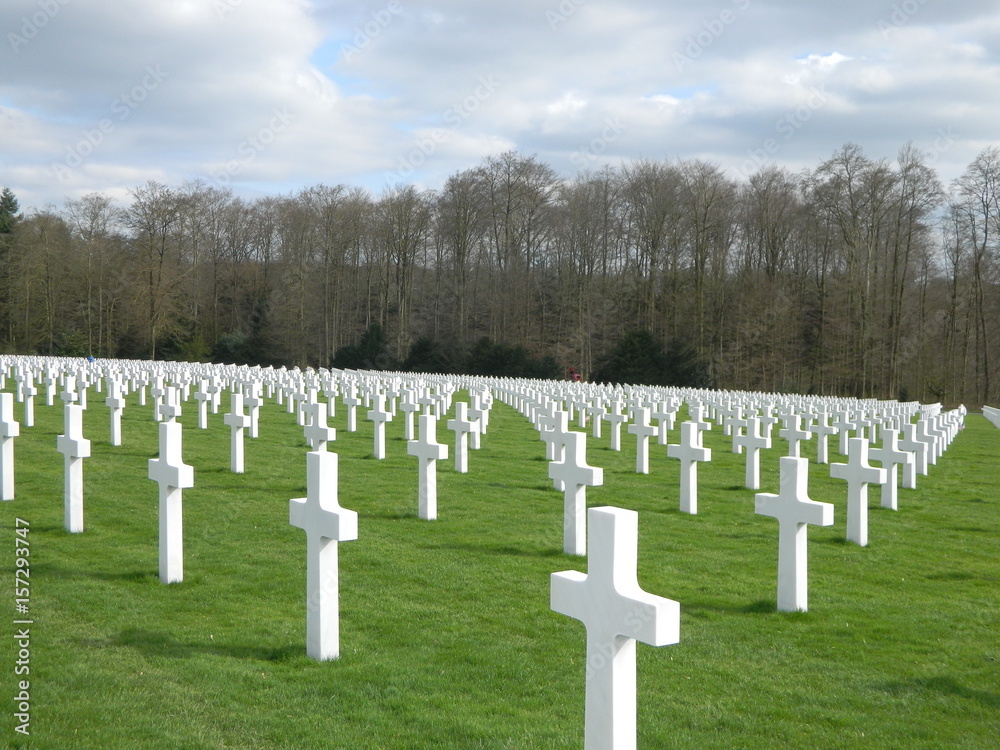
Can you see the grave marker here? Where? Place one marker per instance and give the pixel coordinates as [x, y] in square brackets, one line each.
[116, 404]
[317, 432]
[9, 429]
[326, 524]
[572, 475]
[794, 434]
[428, 451]
[28, 393]
[690, 452]
[858, 474]
[643, 431]
[238, 422]
[379, 415]
[753, 441]
[891, 457]
[793, 509]
[173, 476]
[74, 448]
[462, 426]
[617, 613]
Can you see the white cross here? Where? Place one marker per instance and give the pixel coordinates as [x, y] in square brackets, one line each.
[690, 452]
[858, 474]
[596, 411]
[643, 431]
[351, 401]
[173, 476]
[665, 414]
[552, 431]
[9, 429]
[462, 426]
[615, 417]
[891, 458]
[50, 388]
[379, 415]
[429, 451]
[326, 523]
[617, 613]
[479, 413]
[215, 391]
[844, 425]
[793, 509]
[793, 433]
[822, 429]
[297, 404]
[170, 406]
[925, 431]
[81, 389]
[574, 476]
[254, 401]
[203, 397]
[432, 402]
[317, 432]
[116, 404]
[409, 407]
[28, 393]
[736, 422]
[919, 450]
[69, 395]
[767, 420]
[696, 414]
[74, 448]
[237, 421]
[753, 441]
[157, 392]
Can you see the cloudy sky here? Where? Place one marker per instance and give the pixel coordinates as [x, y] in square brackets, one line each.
[268, 96]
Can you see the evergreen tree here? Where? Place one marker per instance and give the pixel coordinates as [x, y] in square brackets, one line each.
[8, 211]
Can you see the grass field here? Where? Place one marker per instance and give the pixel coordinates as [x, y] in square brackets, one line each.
[447, 639]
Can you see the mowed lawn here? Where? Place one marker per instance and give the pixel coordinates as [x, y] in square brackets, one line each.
[447, 639]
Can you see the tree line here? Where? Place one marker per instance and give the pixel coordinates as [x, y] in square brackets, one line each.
[861, 277]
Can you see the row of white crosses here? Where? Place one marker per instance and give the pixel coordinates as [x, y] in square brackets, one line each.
[608, 600]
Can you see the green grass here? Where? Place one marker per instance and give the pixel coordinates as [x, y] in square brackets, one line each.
[447, 640]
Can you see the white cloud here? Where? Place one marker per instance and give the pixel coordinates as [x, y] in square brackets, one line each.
[227, 66]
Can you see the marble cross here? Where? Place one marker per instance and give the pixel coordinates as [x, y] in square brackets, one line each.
[379, 415]
[74, 448]
[616, 418]
[326, 523]
[116, 404]
[643, 431]
[753, 442]
[428, 451]
[690, 452]
[203, 397]
[793, 509]
[27, 392]
[317, 432]
[573, 475]
[858, 474]
[891, 456]
[9, 429]
[794, 433]
[173, 476]
[617, 613]
[462, 426]
[238, 422]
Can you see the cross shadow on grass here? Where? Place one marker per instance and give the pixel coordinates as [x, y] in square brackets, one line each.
[144, 576]
[945, 685]
[153, 643]
[707, 610]
[500, 549]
